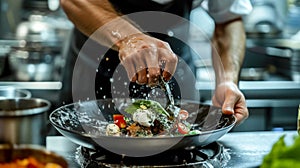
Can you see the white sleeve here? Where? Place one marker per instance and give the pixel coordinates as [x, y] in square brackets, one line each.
[225, 10]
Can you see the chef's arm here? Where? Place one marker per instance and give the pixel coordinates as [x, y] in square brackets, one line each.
[142, 56]
[229, 41]
[95, 16]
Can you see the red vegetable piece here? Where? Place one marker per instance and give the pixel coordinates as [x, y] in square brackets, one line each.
[183, 114]
[182, 128]
[119, 120]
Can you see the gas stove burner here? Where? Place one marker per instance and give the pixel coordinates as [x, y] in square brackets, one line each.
[213, 155]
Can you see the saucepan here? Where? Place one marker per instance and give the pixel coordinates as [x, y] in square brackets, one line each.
[83, 122]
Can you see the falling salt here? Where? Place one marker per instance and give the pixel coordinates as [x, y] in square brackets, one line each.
[125, 83]
[104, 97]
[100, 88]
[97, 70]
[111, 80]
[108, 70]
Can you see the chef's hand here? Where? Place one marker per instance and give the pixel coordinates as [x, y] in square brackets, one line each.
[146, 59]
[231, 99]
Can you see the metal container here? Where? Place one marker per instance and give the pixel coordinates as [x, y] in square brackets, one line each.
[11, 92]
[266, 18]
[23, 121]
[4, 50]
[285, 54]
[30, 64]
[9, 153]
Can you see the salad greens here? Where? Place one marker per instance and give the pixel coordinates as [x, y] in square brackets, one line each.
[146, 104]
[283, 156]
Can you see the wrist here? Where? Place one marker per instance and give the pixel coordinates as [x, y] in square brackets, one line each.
[113, 33]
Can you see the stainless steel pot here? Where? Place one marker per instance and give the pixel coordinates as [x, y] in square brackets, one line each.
[7, 92]
[23, 121]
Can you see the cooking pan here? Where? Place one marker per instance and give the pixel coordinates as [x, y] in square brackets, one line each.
[84, 123]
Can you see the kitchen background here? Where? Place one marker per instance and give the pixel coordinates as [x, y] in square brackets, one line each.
[35, 35]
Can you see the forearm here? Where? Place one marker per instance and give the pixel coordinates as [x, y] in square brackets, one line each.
[229, 41]
[99, 19]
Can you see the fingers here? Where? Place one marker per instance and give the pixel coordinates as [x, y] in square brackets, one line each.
[232, 101]
[154, 75]
[228, 105]
[169, 61]
[130, 68]
[148, 60]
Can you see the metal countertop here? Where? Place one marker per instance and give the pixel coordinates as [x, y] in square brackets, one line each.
[246, 149]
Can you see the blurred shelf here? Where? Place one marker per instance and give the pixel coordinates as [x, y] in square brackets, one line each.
[49, 85]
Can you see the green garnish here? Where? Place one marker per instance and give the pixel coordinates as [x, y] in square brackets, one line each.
[282, 155]
[149, 104]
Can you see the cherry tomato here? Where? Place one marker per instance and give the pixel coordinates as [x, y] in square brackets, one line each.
[119, 120]
[183, 114]
[182, 128]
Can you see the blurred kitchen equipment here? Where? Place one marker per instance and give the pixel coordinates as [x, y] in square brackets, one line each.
[292, 25]
[12, 152]
[4, 50]
[23, 121]
[285, 54]
[44, 32]
[34, 64]
[266, 18]
[7, 92]
[253, 74]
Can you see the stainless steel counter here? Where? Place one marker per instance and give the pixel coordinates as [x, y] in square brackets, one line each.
[246, 149]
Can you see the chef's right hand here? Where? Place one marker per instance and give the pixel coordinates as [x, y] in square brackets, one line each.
[146, 59]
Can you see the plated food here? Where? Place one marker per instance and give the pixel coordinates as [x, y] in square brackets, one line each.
[148, 118]
[29, 156]
[29, 162]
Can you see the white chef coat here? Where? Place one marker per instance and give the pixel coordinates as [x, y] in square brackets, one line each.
[221, 10]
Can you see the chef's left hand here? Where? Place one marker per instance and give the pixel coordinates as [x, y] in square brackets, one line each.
[228, 96]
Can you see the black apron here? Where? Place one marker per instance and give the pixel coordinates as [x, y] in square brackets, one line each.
[103, 87]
